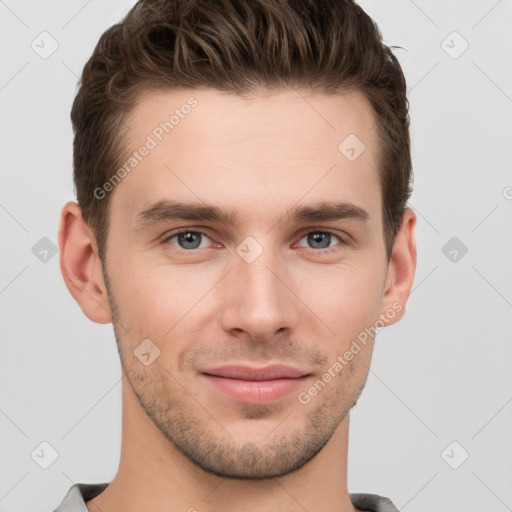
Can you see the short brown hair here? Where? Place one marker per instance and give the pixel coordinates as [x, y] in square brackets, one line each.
[238, 46]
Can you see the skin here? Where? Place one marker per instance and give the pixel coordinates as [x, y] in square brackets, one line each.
[185, 445]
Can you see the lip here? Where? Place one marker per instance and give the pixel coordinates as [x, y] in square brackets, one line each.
[256, 385]
[271, 372]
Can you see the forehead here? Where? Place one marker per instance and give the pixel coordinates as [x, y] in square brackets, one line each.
[271, 148]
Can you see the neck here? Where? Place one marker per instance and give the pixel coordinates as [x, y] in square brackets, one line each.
[154, 475]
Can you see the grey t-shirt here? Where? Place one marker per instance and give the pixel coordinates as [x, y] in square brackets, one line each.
[78, 494]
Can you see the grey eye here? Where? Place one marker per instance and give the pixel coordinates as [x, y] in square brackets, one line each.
[188, 239]
[319, 240]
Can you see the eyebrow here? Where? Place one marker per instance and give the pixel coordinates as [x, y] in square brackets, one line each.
[175, 210]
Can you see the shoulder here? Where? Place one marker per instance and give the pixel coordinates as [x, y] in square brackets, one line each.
[372, 502]
[77, 495]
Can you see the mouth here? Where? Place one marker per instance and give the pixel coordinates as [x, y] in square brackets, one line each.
[256, 385]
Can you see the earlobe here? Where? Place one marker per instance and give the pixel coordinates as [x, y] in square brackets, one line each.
[81, 266]
[401, 270]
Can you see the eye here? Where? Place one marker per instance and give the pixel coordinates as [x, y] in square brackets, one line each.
[190, 240]
[321, 239]
[187, 239]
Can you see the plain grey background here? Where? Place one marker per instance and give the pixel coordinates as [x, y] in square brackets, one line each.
[432, 429]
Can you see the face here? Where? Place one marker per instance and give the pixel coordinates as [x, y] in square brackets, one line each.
[242, 239]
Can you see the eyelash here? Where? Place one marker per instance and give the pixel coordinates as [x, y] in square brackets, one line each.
[199, 231]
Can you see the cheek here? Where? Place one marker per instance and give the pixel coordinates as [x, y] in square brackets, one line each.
[345, 297]
[164, 301]
[157, 301]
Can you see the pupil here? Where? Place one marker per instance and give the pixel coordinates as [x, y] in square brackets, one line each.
[321, 237]
[190, 240]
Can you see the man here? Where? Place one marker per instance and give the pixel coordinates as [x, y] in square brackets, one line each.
[242, 169]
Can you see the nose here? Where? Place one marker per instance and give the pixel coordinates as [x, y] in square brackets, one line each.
[258, 298]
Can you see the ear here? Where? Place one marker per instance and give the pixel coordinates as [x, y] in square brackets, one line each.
[80, 265]
[401, 269]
